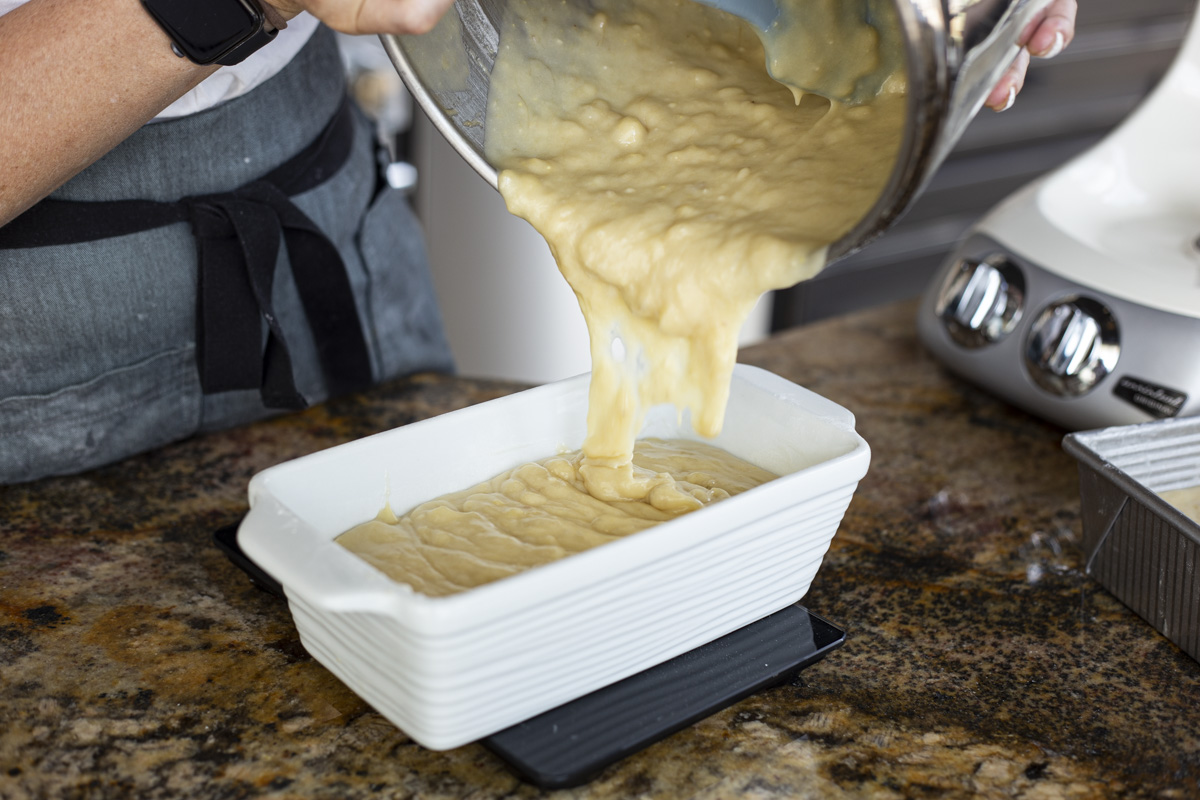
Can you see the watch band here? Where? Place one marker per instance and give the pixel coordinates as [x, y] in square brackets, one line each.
[223, 32]
[260, 38]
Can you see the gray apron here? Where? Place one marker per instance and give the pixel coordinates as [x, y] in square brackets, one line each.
[99, 354]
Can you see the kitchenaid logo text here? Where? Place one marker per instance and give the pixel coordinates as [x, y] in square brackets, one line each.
[1158, 401]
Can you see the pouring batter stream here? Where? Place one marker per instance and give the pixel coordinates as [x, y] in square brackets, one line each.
[675, 182]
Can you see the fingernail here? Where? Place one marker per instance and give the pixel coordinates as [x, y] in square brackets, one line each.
[1008, 101]
[1056, 48]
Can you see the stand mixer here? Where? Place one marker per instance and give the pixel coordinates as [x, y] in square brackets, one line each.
[1078, 297]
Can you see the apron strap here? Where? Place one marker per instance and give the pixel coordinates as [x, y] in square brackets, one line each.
[237, 241]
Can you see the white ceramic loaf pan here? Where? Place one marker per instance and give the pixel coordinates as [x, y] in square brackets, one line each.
[450, 670]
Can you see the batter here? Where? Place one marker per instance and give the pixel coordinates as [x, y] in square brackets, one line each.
[846, 51]
[675, 182]
[1186, 500]
[538, 513]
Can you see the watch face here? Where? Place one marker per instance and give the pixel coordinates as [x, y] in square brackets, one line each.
[206, 30]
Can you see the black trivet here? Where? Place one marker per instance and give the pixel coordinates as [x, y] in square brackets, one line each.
[571, 744]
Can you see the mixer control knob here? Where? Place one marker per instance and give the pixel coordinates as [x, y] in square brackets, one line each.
[1071, 346]
[980, 300]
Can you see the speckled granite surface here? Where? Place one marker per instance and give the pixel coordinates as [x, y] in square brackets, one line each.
[135, 661]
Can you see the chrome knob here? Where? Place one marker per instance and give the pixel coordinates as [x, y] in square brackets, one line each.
[980, 300]
[1072, 346]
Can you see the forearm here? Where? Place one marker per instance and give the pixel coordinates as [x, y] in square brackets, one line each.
[76, 78]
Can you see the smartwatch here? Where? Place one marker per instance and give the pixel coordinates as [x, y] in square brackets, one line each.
[221, 32]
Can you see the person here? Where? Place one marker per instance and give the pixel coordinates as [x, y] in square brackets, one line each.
[1045, 36]
[186, 247]
[234, 257]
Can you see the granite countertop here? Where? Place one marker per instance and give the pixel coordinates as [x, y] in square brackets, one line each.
[136, 661]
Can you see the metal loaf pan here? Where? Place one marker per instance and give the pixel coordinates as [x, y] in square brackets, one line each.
[1138, 546]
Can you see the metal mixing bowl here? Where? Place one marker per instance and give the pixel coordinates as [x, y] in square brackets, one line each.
[955, 51]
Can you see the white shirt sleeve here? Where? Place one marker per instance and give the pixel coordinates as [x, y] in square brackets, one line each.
[230, 82]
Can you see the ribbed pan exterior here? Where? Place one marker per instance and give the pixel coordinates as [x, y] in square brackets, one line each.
[450, 670]
[1138, 546]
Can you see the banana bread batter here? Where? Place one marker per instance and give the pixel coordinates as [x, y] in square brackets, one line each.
[1186, 500]
[675, 182]
[538, 513]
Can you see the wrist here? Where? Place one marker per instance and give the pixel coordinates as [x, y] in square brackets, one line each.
[280, 14]
[220, 32]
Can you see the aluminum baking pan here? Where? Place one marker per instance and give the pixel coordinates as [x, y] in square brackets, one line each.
[1141, 548]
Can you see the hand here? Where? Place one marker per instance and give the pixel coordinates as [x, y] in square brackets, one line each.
[1044, 37]
[369, 16]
